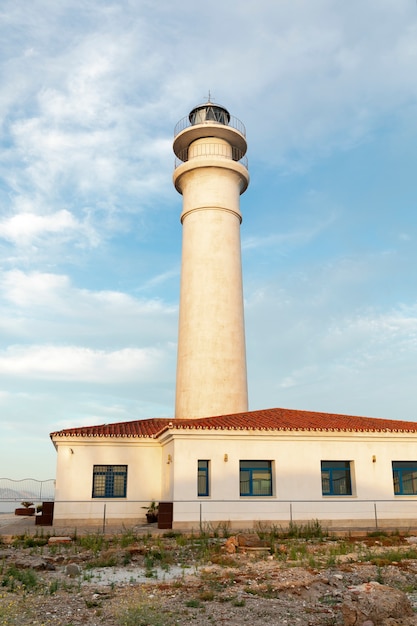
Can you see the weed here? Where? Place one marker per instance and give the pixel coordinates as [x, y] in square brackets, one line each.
[225, 560]
[127, 557]
[238, 602]
[329, 600]
[206, 596]
[53, 587]
[222, 529]
[30, 541]
[128, 537]
[193, 603]
[311, 530]
[331, 561]
[158, 556]
[390, 556]
[105, 560]
[94, 542]
[379, 577]
[268, 532]
[145, 615]
[172, 534]
[150, 573]
[25, 578]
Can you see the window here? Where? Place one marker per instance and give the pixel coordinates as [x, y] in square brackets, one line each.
[109, 481]
[255, 478]
[404, 474]
[335, 478]
[203, 478]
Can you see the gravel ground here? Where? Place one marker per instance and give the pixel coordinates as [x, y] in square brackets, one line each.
[161, 582]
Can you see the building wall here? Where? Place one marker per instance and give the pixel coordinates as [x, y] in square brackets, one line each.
[167, 470]
[74, 479]
[296, 470]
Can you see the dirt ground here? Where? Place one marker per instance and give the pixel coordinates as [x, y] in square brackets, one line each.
[143, 580]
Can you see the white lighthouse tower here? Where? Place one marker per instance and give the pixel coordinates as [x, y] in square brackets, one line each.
[211, 173]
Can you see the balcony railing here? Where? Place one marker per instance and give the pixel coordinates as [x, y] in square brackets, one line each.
[208, 150]
[233, 123]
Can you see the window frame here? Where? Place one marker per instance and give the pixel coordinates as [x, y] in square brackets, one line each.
[334, 466]
[399, 469]
[251, 468]
[205, 475]
[106, 478]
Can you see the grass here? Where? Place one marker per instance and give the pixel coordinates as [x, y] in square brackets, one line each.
[30, 541]
[128, 538]
[145, 615]
[193, 603]
[311, 530]
[94, 542]
[26, 579]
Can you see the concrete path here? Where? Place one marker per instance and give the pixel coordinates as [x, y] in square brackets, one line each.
[14, 525]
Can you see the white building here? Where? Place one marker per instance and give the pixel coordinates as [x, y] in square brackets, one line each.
[238, 467]
[272, 466]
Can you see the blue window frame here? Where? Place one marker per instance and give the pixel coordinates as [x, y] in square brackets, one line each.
[203, 485]
[336, 478]
[404, 475]
[109, 481]
[255, 478]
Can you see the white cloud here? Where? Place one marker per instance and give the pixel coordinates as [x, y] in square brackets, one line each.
[24, 228]
[47, 306]
[74, 363]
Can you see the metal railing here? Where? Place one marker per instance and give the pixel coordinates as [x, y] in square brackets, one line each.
[26, 489]
[337, 513]
[234, 123]
[212, 149]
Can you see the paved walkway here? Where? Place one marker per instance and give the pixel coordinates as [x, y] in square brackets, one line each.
[14, 525]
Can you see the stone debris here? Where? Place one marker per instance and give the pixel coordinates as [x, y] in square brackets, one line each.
[372, 604]
[35, 563]
[72, 570]
[233, 588]
[245, 542]
[411, 540]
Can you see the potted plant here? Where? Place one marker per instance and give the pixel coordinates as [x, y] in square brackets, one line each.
[28, 508]
[152, 512]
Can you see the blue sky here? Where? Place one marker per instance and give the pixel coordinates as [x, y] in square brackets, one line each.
[90, 237]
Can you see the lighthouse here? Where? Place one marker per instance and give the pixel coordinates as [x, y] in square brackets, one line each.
[211, 173]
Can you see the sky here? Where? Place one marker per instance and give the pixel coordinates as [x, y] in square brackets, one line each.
[90, 237]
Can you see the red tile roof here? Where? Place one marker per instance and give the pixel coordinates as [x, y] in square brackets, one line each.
[267, 419]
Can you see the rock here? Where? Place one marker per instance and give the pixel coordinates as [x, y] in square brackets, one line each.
[35, 563]
[231, 545]
[54, 540]
[72, 570]
[411, 540]
[250, 540]
[372, 603]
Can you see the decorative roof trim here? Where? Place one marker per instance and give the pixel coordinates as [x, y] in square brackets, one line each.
[267, 420]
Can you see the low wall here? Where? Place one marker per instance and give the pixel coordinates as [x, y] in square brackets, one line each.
[242, 514]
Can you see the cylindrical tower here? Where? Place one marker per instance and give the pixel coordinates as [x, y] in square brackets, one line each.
[211, 173]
